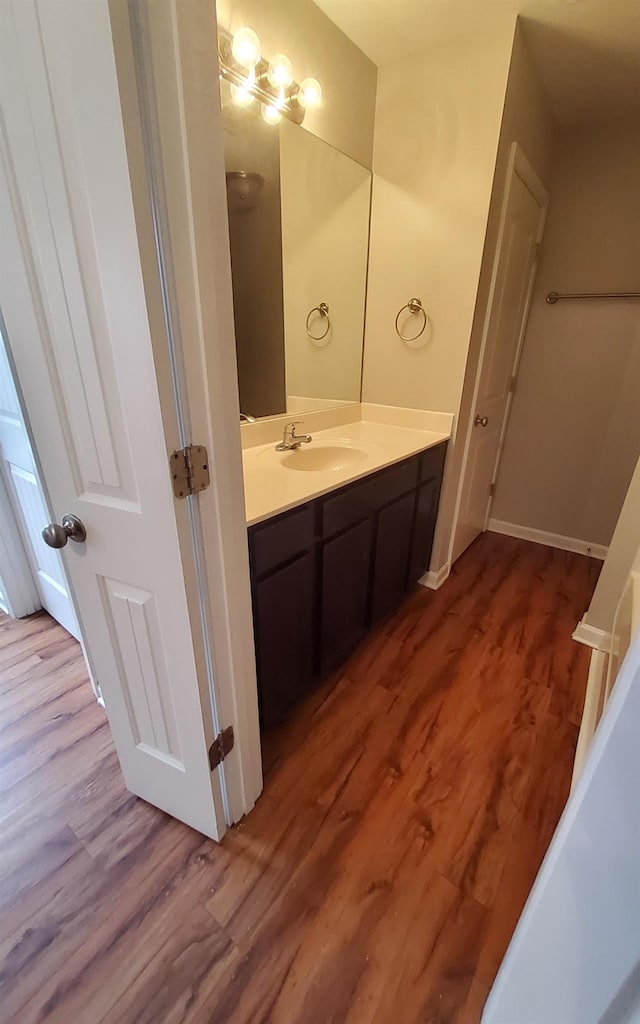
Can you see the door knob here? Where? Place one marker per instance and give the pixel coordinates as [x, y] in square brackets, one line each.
[56, 535]
[481, 421]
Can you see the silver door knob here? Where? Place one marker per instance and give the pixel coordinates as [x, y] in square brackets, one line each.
[481, 421]
[56, 535]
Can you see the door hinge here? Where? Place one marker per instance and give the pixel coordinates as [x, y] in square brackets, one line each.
[221, 746]
[189, 470]
[492, 490]
[512, 384]
[538, 250]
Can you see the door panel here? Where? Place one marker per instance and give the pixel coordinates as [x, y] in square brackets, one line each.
[393, 541]
[514, 272]
[75, 308]
[345, 586]
[285, 628]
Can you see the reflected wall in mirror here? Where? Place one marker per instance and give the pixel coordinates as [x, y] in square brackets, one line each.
[299, 233]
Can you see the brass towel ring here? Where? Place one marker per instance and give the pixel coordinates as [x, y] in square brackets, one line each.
[414, 306]
[323, 311]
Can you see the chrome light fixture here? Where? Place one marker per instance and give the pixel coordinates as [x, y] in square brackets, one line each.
[271, 83]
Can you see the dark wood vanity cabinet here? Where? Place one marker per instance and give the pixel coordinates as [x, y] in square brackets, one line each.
[323, 573]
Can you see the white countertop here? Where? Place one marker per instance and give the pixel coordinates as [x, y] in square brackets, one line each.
[271, 488]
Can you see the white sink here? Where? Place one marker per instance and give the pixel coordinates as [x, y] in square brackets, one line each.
[320, 456]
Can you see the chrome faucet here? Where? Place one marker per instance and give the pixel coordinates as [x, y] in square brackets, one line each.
[290, 439]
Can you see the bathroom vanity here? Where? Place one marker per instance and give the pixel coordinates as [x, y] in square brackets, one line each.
[325, 571]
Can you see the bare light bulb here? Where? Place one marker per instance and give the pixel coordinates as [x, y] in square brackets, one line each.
[310, 94]
[245, 47]
[271, 114]
[241, 95]
[280, 72]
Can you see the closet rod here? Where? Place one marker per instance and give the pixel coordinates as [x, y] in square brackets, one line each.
[553, 297]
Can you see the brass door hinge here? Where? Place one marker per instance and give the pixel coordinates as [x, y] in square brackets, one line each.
[492, 490]
[512, 383]
[189, 470]
[221, 746]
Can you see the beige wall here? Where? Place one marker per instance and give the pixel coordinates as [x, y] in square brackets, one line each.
[318, 49]
[620, 556]
[437, 125]
[325, 227]
[528, 121]
[574, 433]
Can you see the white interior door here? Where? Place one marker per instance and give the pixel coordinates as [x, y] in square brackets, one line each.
[73, 300]
[521, 227]
[20, 474]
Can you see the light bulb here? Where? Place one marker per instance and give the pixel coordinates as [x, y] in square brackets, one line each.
[245, 47]
[241, 95]
[310, 93]
[271, 114]
[280, 72]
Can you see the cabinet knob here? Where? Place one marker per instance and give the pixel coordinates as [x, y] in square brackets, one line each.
[481, 421]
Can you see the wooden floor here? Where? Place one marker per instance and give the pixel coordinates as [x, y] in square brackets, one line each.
[405, 813]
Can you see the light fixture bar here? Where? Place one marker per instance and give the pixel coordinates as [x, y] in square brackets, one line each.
[258, 81]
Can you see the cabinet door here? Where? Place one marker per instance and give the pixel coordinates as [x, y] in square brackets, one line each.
[393, 543]
[425, 525]
[284, 626]
[345, 586]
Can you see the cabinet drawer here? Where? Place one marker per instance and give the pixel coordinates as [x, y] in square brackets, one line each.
[281, 539]
[357, 501]
[432, 461]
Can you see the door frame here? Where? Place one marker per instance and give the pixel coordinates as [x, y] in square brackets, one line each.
[518, 164]
[166, 56]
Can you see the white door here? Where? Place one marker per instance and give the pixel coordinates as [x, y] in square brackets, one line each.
[20, 476]
[73, 301]
[521, 227]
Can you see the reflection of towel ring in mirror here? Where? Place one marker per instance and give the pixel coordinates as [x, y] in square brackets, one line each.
[414, 306]
[323, 311]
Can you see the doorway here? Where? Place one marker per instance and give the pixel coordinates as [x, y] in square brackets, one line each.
[33, 575]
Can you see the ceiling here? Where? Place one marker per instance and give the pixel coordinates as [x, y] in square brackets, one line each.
[587, 51]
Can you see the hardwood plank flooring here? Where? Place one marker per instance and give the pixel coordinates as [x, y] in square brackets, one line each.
[407, 806]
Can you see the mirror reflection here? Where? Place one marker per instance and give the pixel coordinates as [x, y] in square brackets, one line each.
[299, 231]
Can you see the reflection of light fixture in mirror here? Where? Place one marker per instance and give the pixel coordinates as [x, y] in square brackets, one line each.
[310, 93]
[251, 76]
[271, 114]
[242, 95]
[245, 47]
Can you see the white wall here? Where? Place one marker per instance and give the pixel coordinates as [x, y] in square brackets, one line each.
[325, 225]
[436, 134]
[574, 433]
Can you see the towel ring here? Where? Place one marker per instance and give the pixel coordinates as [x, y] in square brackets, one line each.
[323, 311]
[414, 306]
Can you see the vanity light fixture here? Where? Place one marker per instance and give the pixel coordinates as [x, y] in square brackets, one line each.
[252, 76]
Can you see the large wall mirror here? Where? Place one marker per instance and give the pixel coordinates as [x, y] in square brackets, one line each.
[299, 231]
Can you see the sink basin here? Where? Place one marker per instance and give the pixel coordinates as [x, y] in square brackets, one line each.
[318, 457]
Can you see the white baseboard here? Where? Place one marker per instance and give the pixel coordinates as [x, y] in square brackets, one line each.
[552, 540]
[592, 636]
[435, 578]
